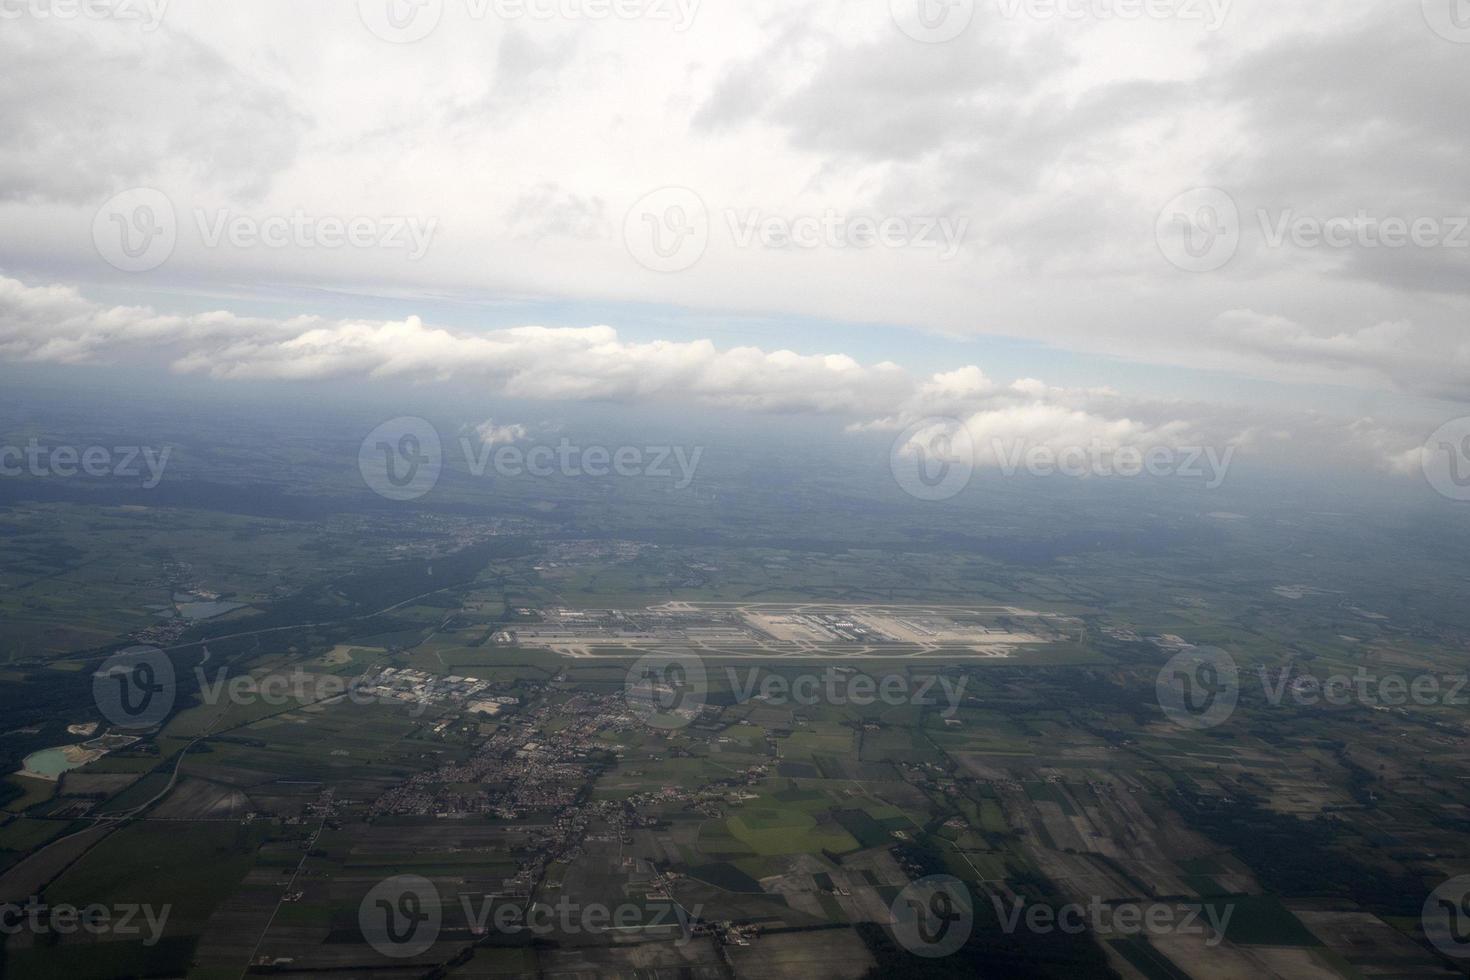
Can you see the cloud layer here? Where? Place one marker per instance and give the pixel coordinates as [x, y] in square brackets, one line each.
[57, 324]
[1056, 139]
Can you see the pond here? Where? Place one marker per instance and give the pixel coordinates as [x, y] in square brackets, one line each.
[51, 763]
[207, 610]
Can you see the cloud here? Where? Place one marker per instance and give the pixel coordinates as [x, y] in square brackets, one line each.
[1056, 140]
[91, 112]
[1027, 414]
[1398, 352]
[550, 211]
[56, 324]
[500, 435]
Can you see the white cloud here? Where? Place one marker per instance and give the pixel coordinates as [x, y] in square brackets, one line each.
[57, 324]
[500, 435]
[1057, 139]
[1397, 353]
[92, 107]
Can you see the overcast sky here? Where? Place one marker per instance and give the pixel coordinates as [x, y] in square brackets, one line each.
[1273, 190]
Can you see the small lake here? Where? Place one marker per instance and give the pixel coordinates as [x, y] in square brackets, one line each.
[50, 762]
[207, 610]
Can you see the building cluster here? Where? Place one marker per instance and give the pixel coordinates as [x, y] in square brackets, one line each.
[535, 771]
[420, 687]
